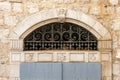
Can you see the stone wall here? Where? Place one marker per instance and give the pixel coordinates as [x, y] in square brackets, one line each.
[107, 12]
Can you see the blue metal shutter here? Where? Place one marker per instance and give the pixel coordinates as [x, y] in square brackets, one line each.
[94, 71]
[81, 71]
[40, 71]
[60, 71]
[74, 71]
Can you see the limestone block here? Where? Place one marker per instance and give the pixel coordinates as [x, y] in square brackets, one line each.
[5, 6]
[85, 9]
[115, 42]
[3, 78]
[95, 1]
[116, 24]
[17, 7]
[94, 57]
[114, 2]
[106, 69]
[116, 77]
[105, 57]
[118, 53]
[64, 1]
[110, 10]
[116, 68]
[17, 1]
[10, 20]
[95, 10]
[118, 10]
[15, 57]
[14, 70]
[29, 57]
[83, 0]
[77, 57]
[1, 21]
[45, 57]
[4, 70]
[4, 35]
[119, 38]
[32, 7]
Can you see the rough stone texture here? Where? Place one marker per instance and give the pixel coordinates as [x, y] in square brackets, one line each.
[5, 6]
[12, 12]
[17, 7]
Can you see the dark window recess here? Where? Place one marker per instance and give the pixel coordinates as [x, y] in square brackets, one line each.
[60, 36]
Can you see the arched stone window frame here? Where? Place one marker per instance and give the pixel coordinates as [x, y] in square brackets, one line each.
[62, 15]
[45, 17]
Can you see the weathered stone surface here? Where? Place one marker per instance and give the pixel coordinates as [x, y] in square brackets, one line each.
[4, 35]
[1, 19]
[4, 71]
[116, 24]
[83, 0]
[114, 2]
[12, 12]
[118, 9]
[5, 6]
[10, 20]
[17, 7]
[16, 1]
[115, 41]
[95, 10]
[32, 7]
[64, 1]
[4, 55]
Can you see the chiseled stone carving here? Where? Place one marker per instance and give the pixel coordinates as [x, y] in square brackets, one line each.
[92, 57]
[61, 15]
[29, 57]
[61, 57]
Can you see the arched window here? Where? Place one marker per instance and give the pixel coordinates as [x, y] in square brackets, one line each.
[60, 36]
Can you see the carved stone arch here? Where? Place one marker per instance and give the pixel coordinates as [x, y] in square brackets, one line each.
[69, 15]
[59, 15]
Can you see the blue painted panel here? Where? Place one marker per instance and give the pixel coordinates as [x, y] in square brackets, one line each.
[40, 71]
[81, 71]
[94, 71]
[60, 71]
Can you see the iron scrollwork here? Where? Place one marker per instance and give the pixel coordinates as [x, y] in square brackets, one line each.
[60, 36]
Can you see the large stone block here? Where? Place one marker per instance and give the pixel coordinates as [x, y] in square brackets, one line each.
[4, 70]
[10, 20]
[95, 10]
[17, 7]
[118, 9]
[1, 19]
[5, 6]
[4, 35]
[116, 24]
[114, 2]
[32, 7]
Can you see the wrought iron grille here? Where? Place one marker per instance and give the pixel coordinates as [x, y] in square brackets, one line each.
[60, 36]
